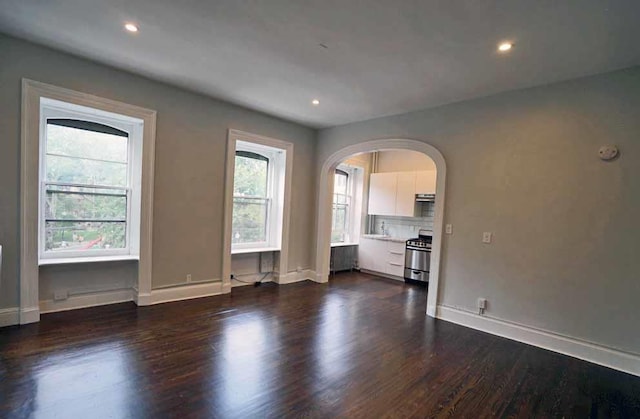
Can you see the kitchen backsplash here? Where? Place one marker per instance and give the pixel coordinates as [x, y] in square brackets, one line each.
[406, 227]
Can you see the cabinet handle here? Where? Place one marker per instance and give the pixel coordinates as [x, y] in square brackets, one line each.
[394, 264]
[396, 253]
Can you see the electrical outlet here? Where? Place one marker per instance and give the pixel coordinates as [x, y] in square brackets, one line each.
[486, 237]
[448, 229]
[188, 277]
[482, 305]
[59, 295]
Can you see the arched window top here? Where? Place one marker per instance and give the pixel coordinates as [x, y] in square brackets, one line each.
[251, 155]
[87, 126]
[342, 172]
[251, 178]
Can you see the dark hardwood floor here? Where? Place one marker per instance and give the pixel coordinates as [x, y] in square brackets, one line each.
[359, 346]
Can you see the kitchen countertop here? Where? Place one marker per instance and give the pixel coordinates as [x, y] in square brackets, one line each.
[384, 238]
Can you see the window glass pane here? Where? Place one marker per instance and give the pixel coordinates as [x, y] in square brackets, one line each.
[339, 223]
[340, 181]
[84, 236]
[89, 172]
[249, 220]
[88, 204]
[82, 143]
[81, 156]
[250, 178]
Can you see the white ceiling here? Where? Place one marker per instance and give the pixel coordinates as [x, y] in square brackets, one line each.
[383, 57]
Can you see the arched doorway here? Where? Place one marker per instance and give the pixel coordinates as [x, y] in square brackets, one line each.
[323, 230]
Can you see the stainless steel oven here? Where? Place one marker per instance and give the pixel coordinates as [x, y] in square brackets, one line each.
[417, 258]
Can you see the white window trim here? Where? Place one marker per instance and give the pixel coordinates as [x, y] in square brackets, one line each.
[281, 256]
[32, 92]
[355, 189]
[350, 189]
[50, 108]
[275, 196]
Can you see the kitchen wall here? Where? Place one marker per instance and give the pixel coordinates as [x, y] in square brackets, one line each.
[524, 165]
[403, 161]
[190, 151]
[406, 227]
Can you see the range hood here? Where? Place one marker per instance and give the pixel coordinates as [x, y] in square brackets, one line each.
[425, 197]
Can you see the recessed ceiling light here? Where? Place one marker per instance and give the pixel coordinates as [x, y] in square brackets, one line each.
[131, 27]
[315, 102]
[505, 46]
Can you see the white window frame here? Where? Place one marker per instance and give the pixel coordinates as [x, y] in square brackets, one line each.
[349, 197]
[50, 108]
[32, 94]
[275, 197]
[281, 251]
[354, 191]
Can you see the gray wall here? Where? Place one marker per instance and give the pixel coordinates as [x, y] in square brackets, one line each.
[524, 165]
[190, 152]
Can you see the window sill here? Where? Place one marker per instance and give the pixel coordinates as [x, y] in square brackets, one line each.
[66, 261]
[343, 244]
[254, 250]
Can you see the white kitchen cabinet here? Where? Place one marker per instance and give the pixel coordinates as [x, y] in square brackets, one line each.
[371, 254]
[381, 256]
[405, 194]
[382, 193]
[395, 193]
[426, 182]
[395, 258]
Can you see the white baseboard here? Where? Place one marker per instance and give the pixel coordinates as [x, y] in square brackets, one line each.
[29, 315]
[319, 277]
[178, 293]
[587, 351]
[86, 300]
[9, 316]
[293, 277]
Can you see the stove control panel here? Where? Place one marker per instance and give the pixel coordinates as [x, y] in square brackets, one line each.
[419, 243]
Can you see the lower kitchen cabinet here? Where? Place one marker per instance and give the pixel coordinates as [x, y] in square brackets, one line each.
[382, 256]
[395, 258]
[369, 252]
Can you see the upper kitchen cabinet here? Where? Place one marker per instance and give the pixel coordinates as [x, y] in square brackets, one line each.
[382, 193]
[395, 193]
[405, 194]
[426, 182]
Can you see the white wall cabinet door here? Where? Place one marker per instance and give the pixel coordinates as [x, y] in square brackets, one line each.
[382, 193]
[426, 182]
[405, 194]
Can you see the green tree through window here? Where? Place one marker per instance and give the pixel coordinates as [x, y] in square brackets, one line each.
[85, 186]
[251, 203]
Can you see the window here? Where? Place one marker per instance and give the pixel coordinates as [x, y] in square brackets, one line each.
[341, 205]
[348, 193]
[257, 196]
[90, 169]
[250, 198]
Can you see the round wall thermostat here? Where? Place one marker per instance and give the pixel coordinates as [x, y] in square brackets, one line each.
[608, 152]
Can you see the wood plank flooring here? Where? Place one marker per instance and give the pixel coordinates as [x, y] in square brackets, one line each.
[358, 347]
